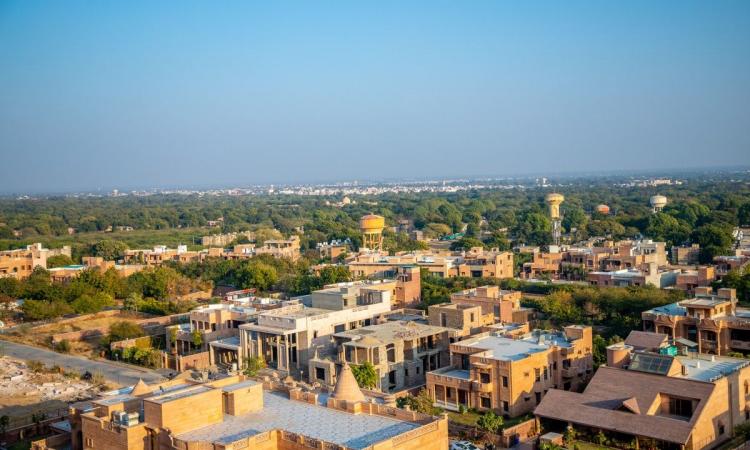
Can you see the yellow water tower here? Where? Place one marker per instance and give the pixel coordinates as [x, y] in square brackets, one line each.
[554, 200]
[372, 231]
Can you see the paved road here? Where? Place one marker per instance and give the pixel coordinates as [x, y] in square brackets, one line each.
[120, 374]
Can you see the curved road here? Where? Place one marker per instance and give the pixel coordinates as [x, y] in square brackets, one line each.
[117, 373]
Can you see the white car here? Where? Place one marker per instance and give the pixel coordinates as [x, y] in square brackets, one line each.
[463, 445]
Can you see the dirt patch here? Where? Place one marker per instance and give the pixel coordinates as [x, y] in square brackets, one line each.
[24, 392]
[41, 336]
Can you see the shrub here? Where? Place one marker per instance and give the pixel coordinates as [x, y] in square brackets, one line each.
[63, 346]
[35, 366]
[254, 365]
[491, 422]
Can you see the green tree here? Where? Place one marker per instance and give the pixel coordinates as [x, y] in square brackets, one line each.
[59, 261]
[42, 309]
[533, 228]
[109, 249]
[466, 243]
[715, 239]
[254, 365]
[366, 375]
[132, 301]
[123, 329]
[197, 339]
[91, 303]
[256, 275]
[491, 422]
[743, 214]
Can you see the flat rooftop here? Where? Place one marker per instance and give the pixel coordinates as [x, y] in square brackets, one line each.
[176, 395]
[318, 422]
[299, 313]
[672, 309]
[704, 302]
[709, 369]
[506, 349]
[392, 331]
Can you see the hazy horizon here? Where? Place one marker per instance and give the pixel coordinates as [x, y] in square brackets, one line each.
[142, 94]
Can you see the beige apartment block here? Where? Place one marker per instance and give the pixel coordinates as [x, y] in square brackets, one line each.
[713, 322]
[496, 305]
[656, 400]
[465, 319]
[286, 338]
[511, 376]
[236, 413]
[20, 263]
[573, 263]
[476, 262]
[160, 253]
[401, 352]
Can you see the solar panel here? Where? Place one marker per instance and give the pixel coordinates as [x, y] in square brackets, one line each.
[650, 363]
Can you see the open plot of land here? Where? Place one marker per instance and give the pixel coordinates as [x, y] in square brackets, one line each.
[41, 335]
[24, 392]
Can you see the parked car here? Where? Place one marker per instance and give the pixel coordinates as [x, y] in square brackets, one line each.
[463, 445]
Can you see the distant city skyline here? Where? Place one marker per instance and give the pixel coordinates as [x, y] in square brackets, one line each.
[107, 95]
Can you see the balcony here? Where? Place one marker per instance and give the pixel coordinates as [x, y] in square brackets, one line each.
[450, 376]
[571, 372]
[739, 345]
[482, 387]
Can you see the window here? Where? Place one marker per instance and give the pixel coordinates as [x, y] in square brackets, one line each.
[538, 396]
[681, 407]
[537, 374]
[320, 373]
[505, 381]
[721, 428]
[485, 402]
[315, 334]
[505, 406]
[484, 378]
[89, 442]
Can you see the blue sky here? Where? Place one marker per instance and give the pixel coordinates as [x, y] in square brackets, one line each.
[123, 94]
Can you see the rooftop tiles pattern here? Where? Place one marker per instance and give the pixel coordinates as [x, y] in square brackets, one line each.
[318, 422]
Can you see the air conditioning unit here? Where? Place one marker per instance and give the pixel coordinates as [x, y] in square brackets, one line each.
[119, 417]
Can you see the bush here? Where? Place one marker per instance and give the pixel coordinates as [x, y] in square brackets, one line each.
[119, 331]
[491, 422]
[35, 366]
[254, 365]
[63, 346]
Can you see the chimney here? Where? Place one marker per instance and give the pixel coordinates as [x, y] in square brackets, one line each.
[684, 370]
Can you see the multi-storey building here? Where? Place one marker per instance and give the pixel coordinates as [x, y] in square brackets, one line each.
[651, 400]
[286, 338]
[278, 248]
[689, 279]
[236, 413]
[685, 255]
[333, 250]
[726, 264]
[223, 240]
[68, 273]
[401, 352]
[496, 305]
[650, 275]
[20, 263]
[712, 321]
[475, 262]
[160, 253]
[573, 263]
[511, 376]
[463, 319]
